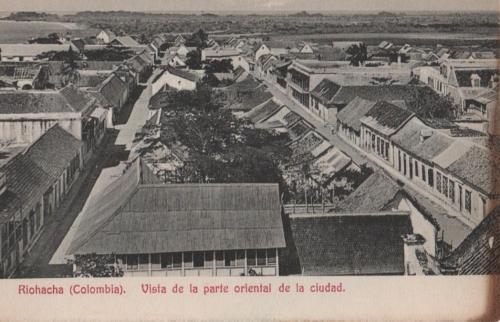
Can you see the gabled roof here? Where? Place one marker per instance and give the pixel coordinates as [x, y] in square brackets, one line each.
[351, 244]
[374, 194]
[479, 167]
[69, 99]
[112, 89]
[351, 114]
[479, 253]
[54, 150]
[183, 74]
[125, 41]
[264, 111]
[375, 93]
[422, 141]
[26, 184]
[325, 91]
[386, 118]
[134, 217]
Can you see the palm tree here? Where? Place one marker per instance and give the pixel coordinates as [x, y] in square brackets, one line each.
[358, 54]
[69, 69]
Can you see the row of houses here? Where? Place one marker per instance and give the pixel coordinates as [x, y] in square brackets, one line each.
[454, 164]
[34, 179]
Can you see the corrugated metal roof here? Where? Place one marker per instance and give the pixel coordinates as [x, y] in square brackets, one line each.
[152, 218]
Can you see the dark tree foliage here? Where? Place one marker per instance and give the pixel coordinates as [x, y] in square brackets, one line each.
[109, 54]
[221, 147]
[193, 59]
[93, 265]
[219, 66]
[65, 56]
[358, 54]
[69, 69]
[427, 104]
[198, 39]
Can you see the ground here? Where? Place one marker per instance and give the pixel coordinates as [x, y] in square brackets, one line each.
[114, 149]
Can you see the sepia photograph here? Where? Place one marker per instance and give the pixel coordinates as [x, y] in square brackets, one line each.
[222, 138]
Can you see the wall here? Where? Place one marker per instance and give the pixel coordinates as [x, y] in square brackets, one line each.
[421, 226]
[25, 128]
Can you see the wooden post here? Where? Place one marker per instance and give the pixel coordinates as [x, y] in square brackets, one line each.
[182, 264]
[277, 263]
[245, 265]
[149, 265]
[214, 267]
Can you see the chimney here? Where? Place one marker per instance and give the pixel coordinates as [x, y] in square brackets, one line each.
[425, 134]
[413, 249]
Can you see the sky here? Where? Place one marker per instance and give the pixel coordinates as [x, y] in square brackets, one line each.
[249, 5]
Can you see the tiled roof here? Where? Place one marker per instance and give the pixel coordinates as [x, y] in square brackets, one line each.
[262, 112]
[183, 74]
[371, 195]
[325, 91]
[131, 217]
[479, 253]
[126, 41]
[351, 114]
[386, 118]
[68, 99]
[421, 140]
[479, 167]
[375, 93]
[112, 89]
[350, 244]
[27, 181]
[54, 151]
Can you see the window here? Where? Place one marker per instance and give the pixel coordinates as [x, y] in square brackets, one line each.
[468, 201]
[219, 258]
[416, 168]
[198, 259]
[271, 256]
[240, 258]
[460, 197]
[132, 262]
[166, 260]
[423, 172]
[177, 260]
[209, 259]
[261, 257]
[251, 258]
[378, 145]
[143, 261]
[387, 150]
[451, 191]
[382, 148]
[438, 182]
[399, 161]
[445, 186]
[229, 258]
[155, 261]
[404, 164]
[430, 173]
[188, 259]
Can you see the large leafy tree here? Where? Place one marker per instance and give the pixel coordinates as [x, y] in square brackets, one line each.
[198, 39]
[193, 59]
[428, 104]
[221, 147]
